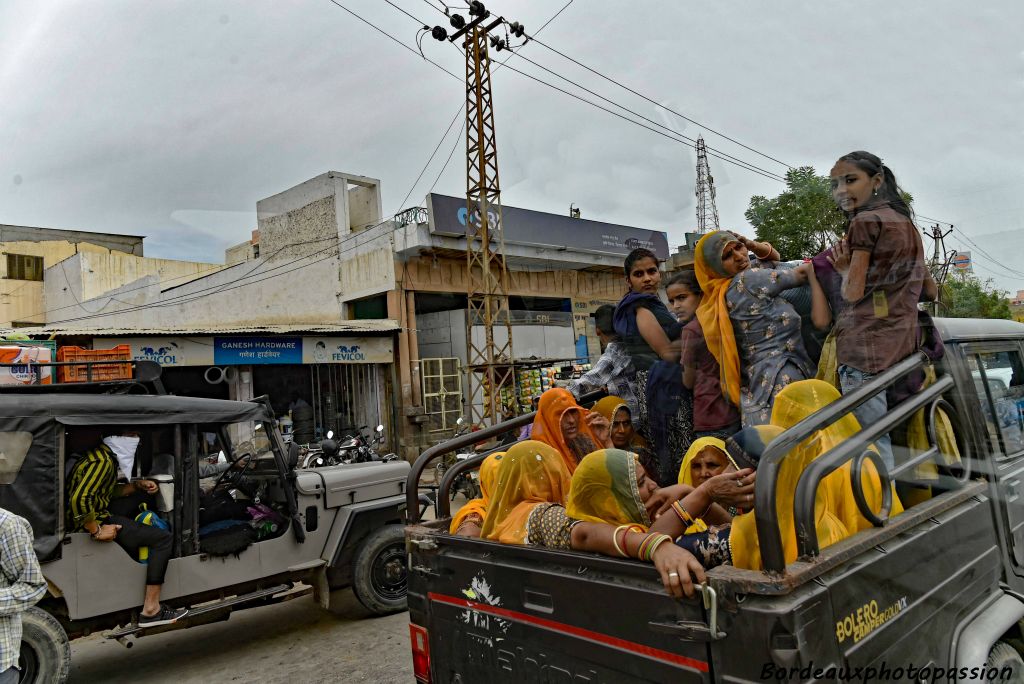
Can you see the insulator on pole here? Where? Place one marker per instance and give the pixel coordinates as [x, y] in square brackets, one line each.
[476, 8]
[457, 21]
[439, 33]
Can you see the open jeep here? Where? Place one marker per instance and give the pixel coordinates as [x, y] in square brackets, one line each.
[327, 528]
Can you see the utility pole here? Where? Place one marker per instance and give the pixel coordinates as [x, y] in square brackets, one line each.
[940, 261]
[490, 363]
[707, 211]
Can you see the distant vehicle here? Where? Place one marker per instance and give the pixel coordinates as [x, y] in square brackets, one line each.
[326, 529]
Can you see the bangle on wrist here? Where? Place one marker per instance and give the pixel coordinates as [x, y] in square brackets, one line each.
[684, 515]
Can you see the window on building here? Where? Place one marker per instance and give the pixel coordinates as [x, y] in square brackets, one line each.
[256, 251]
[370, 308]
[24, 267]
[25, 324]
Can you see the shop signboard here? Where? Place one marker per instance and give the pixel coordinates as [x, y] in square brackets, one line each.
[448, 216]
[166, 351]
[239, 351]
[347, 350]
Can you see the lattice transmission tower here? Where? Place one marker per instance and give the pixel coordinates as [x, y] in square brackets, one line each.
[489, 361]
[707, 212]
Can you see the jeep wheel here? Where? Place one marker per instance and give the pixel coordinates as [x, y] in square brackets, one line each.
[1003, 655]
[45, 656]
[379, 572]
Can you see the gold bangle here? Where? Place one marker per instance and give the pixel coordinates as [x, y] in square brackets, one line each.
[615, 539]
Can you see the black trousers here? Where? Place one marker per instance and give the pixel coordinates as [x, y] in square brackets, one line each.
[132, 535]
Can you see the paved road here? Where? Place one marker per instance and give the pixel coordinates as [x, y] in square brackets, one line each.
[290, 642]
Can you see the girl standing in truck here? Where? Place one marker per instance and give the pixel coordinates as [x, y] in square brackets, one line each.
[883, 276]
[650, 333]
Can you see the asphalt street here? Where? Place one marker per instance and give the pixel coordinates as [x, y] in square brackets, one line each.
[295, 641]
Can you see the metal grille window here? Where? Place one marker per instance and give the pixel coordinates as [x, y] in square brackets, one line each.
[24, 267]
[442, 393]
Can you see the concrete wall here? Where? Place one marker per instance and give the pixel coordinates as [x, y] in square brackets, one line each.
[303, 219]
[23, 300]
[101, 273]
[260, 291]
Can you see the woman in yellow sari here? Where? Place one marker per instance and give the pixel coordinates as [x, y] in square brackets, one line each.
[623, 435]
[530, 473]
[527, 508]
[835, 510]
[705, 458]
[468, 520]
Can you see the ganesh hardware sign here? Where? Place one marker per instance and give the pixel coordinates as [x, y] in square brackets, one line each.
[254, 350]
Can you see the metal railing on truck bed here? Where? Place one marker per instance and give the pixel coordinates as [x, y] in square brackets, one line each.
[855, 449]
[765, 490]
[412, 483]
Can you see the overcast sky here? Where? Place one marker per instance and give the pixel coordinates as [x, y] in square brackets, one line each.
[171, 119]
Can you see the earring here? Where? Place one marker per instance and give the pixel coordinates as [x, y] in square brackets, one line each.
[876, 192]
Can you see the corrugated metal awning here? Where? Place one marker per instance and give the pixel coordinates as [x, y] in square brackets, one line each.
[347, 327]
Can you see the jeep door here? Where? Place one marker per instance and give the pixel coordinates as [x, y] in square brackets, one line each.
[997, 370]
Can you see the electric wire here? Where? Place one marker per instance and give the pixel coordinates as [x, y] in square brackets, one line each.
[741, 164]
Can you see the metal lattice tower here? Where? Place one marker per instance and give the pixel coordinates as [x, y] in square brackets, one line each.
[707, 212]
[489, 363]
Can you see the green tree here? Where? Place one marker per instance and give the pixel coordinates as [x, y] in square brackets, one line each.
[803, 220]
[966, 296]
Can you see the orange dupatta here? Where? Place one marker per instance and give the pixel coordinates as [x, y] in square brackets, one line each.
[713, 312]
[547, 425]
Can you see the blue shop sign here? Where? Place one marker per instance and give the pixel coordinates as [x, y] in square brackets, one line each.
[236, 351]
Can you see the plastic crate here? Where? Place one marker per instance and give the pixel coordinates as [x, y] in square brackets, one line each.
[120, 371]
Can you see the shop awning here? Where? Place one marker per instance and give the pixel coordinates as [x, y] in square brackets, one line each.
[343, 328]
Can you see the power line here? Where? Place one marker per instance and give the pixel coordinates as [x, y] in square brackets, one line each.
[658, 104]
[457, 113]
[671, 135]
[388, 35]
[693, 142]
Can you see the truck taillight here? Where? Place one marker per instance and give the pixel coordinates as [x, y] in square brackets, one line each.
[420, 653]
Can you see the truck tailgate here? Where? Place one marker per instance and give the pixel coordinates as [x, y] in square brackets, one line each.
[537, 615]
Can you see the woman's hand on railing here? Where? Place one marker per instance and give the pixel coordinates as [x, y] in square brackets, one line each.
[678, 568]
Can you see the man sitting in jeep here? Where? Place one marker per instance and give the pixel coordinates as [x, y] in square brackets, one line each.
[105, 507]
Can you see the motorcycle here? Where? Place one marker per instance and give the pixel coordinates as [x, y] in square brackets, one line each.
[355, 448]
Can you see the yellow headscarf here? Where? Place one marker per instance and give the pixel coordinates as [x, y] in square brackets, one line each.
[713, 313]
[488, 474]
[608, 407]
[686, 474]
[836, 515]
[529, 474]
[604, 490]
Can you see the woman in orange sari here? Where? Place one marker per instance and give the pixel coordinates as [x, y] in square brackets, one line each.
[469, 519]
[569, 428]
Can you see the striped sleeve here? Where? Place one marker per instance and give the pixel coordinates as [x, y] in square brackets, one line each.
[91, 486]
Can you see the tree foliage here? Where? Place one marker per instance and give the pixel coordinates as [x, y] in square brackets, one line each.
[966, 296]
[803, 220]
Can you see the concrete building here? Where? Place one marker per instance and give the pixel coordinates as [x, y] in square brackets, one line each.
[42, 270]
[325, 273]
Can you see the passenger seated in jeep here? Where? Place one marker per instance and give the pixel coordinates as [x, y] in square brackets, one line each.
[102, 506]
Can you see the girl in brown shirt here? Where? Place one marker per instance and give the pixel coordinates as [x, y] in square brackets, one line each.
[881, 262]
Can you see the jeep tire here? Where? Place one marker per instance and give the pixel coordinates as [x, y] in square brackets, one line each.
[379, 575]
[45, 651]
